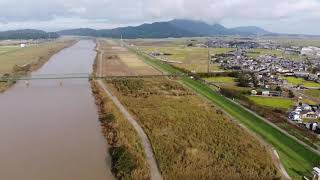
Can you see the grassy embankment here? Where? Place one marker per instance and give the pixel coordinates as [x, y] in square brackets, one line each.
[129, 161]
[297, 159]
[298, 81]
[272, 102]
[191, 138]
[33, 57]
[193, 59]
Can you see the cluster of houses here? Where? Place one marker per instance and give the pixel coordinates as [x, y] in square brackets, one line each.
[267, 68]
[266, 92]
[305, 112]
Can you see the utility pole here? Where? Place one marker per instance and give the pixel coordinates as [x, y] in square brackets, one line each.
[209, 59]
[121, 41]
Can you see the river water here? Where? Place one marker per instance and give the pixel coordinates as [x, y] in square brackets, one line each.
[50, 131]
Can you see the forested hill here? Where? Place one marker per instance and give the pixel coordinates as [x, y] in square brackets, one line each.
[154, 30]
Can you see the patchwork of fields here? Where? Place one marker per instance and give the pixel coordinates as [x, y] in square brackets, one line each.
[118, 61]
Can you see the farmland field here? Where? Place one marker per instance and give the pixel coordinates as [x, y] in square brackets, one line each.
[191, 58]
[6, 49]
[191, 138]
[227, 80]
[291, 41]
[281, 103]
[313, 93]
[297, 81]
[258, 52]
[119, 61]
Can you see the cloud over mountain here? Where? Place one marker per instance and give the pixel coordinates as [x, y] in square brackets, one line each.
[273, 14]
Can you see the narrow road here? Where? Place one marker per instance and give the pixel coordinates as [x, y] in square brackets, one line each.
[154, 170]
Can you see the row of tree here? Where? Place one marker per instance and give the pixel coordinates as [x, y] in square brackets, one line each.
[27, 34]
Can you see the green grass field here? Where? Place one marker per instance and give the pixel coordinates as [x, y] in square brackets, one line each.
[254, 53]
[313, 93]
[7, 49]
[228, 80]
[296, 158]
[281, 103]
[297, 81]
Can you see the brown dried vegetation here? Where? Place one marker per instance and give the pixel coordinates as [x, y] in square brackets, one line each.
[191, 138]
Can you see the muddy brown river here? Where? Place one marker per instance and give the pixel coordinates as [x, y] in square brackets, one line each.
[50, 131]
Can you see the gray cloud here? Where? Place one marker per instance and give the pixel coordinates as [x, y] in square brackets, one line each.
[59, 14]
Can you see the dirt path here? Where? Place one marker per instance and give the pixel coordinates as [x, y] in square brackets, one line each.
[154, 170]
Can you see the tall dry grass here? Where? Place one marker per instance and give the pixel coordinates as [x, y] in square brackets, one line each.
[191, 138]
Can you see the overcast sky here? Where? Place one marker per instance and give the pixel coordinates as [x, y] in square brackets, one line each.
[283, 16]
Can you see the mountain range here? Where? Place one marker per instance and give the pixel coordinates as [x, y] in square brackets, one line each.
[174, 28]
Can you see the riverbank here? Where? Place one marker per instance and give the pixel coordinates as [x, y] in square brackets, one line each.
[122, 138]
[22, 62]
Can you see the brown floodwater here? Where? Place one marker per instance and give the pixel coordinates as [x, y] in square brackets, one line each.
[50, 131]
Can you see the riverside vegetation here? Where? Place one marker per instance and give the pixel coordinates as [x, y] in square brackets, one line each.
[191, 138]
[128, 158]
